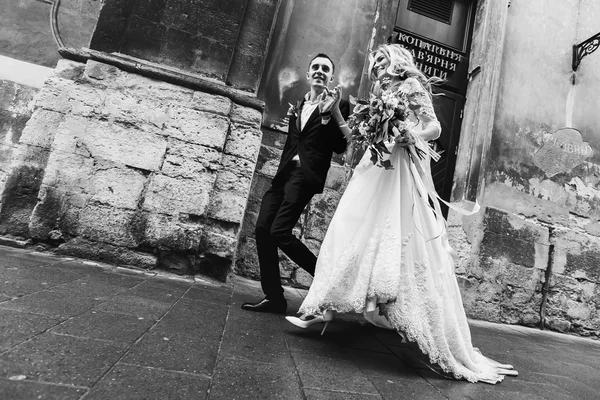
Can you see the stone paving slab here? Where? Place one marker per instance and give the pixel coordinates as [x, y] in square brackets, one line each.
[73, 329]
[16, 327]
[27, 390]
[125, 382]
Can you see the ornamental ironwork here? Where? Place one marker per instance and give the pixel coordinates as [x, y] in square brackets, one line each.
[584, 48]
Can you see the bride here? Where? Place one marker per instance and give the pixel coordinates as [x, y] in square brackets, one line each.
[386, 252]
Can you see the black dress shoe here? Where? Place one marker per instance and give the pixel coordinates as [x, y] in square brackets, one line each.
[266, 305]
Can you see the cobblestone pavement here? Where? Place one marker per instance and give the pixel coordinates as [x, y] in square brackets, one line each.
[71, 329]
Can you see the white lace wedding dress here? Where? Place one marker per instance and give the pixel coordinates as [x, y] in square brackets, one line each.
[386, 252]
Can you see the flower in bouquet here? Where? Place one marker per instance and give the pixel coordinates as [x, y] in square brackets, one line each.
[379, 120]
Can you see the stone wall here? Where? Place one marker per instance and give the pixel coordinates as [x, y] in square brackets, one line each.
[531, 159]
[225, 40]
[15, 100]
[519, 270]
[125, 169]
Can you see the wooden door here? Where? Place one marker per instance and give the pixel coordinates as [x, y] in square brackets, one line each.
[438, 34]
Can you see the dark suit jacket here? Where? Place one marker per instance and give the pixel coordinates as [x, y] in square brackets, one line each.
[314, 145]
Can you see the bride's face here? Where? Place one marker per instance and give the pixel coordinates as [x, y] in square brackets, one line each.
[381, 62]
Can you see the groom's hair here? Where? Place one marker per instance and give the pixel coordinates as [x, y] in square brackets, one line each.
[322, 55]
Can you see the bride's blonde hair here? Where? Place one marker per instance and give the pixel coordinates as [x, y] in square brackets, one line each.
[402, 65]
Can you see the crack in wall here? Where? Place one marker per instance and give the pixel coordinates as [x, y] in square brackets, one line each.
[547, 277]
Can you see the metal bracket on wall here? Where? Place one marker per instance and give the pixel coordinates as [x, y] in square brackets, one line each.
[584, 48]
[473, 72]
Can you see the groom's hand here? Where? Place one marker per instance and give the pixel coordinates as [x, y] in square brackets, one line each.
[326, 101]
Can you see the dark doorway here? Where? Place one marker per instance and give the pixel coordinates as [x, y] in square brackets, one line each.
[438, 33]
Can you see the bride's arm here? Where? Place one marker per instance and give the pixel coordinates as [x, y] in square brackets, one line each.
[420, 103]
[341, 122]
[339, 118]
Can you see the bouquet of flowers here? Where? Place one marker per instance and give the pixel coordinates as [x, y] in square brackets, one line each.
[383, 118]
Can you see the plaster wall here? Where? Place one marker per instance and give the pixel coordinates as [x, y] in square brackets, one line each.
[531, 256]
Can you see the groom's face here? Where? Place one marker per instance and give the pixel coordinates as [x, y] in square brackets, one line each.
[320, 73]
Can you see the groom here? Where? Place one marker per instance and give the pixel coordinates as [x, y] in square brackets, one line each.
[313, 136]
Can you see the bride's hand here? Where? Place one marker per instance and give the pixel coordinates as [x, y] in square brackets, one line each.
[407, 139]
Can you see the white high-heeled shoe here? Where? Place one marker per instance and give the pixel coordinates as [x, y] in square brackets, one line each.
[326, 317]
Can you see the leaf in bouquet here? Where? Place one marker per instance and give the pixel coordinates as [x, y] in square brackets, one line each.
[374, 156]
[387, 164]
[382, 147]
[385, 126]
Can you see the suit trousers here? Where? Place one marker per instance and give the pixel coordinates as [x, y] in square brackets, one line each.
[281, 208]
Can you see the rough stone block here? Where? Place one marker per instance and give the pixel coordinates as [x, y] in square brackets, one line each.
[112, 142]
[80, 247]
[246, 262]
[65, 96]
[107, 225]
[337, 178]
[134, 110]
[211, 103]
[25, 154]
[273, 138]
[322, 208]
[576, 254]
[47, 212]
[173, 196]
[495, 246]
[157, 91]
[19, 198]
[220, 245]
[161, 230]
[243, 142]
[68, 171]
[51, 98]
[117, 187]
[230, 196]
[302, 278]
[41, 128]
[218, 255]
[100, 74]
[197, 127]
[246, 116]
[68, 69]
[187, 160]
[268, 160]
[507, 224]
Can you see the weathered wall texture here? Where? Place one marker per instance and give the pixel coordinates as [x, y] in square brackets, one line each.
[122, 168]
[226, 40]
[532, 254]
[15, 100]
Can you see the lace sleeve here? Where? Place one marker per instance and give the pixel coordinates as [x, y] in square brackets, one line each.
[420, 103]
